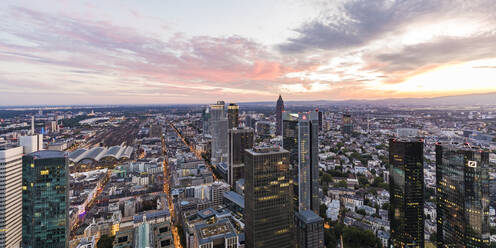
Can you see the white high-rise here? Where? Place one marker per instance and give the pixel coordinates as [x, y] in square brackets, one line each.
[11, 196]
[218, 129]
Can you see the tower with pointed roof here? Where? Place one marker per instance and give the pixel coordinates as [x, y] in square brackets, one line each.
[279, 110]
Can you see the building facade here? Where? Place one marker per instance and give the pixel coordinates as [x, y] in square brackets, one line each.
[309, 229]
[268, 206]
[279, 110]
[406, 189]
[45, 200]
[462, 183]
[300, 138]
[233, 115]
[347, 124]
[218, 129]
[239, 140]
[11, 196]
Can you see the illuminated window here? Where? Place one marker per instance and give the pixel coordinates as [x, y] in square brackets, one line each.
[44, 172]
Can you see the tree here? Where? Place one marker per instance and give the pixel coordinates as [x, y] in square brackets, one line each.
[105, 241]
[357, 238]
[342, 184]
[361, 211]
[322, 211]
[362, 180]
[385, 206]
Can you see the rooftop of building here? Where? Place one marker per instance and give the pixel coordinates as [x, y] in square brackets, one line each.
[258, 150]
[44, 154]
[236, 198]
[220, 230]
[461, 147]
[308, 216]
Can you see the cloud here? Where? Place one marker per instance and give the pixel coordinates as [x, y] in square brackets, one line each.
[360, 21]
[95, 48]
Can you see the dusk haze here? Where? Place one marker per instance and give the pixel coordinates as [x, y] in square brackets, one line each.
[162, 52]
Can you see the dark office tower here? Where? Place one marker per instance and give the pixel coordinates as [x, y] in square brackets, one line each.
[320, 119]
[206, 121]
[239, 140]
[462, 183]
[347, 124]
[233, 115]
[300, 137]
[309, 230]
[406, 187]
[269, 212]
[45, 199]
[279, 110]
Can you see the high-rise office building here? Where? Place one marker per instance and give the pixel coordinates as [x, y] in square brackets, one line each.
[462, 183]
[31, 143]
[309, 229]
[218, 129]
[217, 191]
[11, 196]
[347, 124]
[239, 140]
[45, 199]
[279, 110]
[268, 205]
[320, 119]
[406, 187]
[206, 121]
[233, 115]
[300, 138]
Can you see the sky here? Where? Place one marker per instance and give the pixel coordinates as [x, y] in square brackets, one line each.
[161, 52]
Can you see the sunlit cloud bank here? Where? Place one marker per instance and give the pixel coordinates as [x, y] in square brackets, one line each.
[350, 49]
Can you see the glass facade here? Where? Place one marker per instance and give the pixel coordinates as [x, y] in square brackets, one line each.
[406, 189]
[45, 200]
[279, 110]
[300, 138]
[233, 115]
[239, 140]
[462, 196]
[268, 206]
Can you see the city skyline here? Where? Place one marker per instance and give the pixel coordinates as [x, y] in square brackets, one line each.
[168, 52]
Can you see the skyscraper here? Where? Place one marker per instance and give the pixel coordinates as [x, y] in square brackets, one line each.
[45, 199]
[406, 189]
[268, 206]
[347, 124]
[206, 121]
[233, 115]
[218, 130]
[320, 119]
[239, 140]
[462, 183]
[309, 229]
[300, 138]
[279, 110]
[11, 196]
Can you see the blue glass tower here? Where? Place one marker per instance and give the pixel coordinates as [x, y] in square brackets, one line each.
[45, 200]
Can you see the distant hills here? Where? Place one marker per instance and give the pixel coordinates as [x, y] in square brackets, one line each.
[468, 100]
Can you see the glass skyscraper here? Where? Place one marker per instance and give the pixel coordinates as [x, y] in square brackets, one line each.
[239, 140]
[279, 110]
[406, 189]
[268, 207]
[462, 196]
[233, 115]
[45, 200]
[300, 138]
[218, 129]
